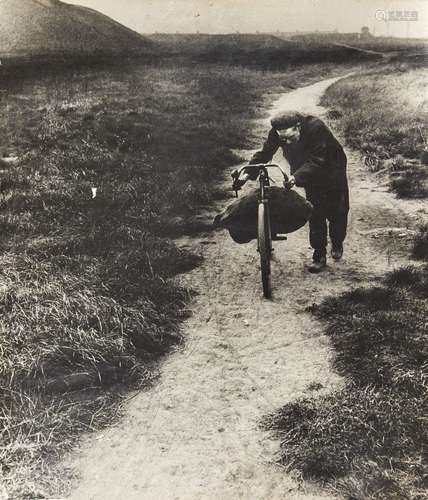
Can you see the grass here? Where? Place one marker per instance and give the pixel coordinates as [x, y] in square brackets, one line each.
[420, 243]
[382, 114]
[261, 51]
[367, 440]
[381, 93]
[275, 51]
[88, 290]
[375, 43]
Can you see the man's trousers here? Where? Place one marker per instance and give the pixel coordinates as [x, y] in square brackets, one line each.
[329, 205]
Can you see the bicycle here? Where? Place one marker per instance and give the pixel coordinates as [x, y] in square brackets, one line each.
[264, 229]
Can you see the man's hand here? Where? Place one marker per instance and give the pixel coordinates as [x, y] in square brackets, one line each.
[238, 182]
[290, 183]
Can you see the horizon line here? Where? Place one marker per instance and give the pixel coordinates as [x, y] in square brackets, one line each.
[275, 33]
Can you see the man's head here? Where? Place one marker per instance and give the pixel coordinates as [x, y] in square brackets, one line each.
[289, 135]
[288, 126]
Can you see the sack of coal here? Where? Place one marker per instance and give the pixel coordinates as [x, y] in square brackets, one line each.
[288, 212]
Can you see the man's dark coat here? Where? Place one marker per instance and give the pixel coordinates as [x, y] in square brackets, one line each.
[317, 160]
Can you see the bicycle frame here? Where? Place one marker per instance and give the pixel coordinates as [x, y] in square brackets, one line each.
[264, 231]
[264, 178]
[264, 182]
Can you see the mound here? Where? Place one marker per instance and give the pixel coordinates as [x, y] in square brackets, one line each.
[41, 27]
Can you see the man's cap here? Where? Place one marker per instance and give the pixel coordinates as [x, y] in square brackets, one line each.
[286, 119]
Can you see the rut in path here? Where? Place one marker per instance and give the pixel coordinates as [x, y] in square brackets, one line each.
[195, 434]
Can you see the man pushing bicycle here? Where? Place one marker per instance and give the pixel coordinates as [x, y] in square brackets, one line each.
[318, 164]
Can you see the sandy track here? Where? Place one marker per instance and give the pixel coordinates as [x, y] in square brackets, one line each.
[195, 434]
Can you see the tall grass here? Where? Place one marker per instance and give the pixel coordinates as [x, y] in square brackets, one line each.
[88, 293]
[382, 114]
[368, 440]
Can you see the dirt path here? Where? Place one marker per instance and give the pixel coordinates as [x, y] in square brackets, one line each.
[195, 434]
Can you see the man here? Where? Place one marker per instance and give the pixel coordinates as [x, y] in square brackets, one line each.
[318, 164]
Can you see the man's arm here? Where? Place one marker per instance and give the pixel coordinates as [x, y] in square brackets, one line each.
[313, 168]
[265, 155]
[316, 155]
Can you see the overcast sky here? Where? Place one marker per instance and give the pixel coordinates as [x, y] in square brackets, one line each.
[225, 16]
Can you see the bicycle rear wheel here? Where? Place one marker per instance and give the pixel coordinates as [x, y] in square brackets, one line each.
[264, 245]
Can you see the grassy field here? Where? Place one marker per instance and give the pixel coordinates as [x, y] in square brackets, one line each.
[375, 43]
[254, 50]
[88, 287]
[383, 113]
[368, 440]
[88, 293]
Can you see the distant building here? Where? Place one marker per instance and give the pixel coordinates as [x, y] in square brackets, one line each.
[365, 32]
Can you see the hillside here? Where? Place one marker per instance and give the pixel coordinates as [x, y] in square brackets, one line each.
[191, 42]
[40, 27]
[252, 49]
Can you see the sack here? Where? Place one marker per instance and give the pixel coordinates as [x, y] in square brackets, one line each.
[288, 212]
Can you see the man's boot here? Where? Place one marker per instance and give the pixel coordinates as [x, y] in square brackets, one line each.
[337, 251]
[319, 261]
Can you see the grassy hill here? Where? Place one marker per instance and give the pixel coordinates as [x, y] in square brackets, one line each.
[190, 42]
[261, 50]
[30, 28]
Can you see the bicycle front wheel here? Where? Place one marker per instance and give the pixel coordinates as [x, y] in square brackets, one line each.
[264, 245]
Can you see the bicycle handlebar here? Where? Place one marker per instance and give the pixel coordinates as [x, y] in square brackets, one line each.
[258, 166]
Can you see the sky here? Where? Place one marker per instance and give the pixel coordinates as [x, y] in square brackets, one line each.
[393, 17]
